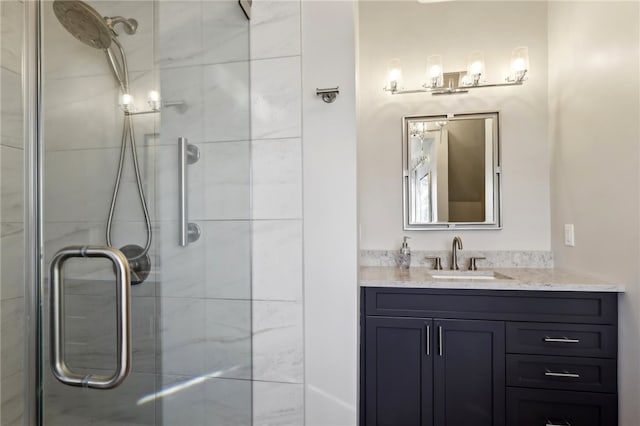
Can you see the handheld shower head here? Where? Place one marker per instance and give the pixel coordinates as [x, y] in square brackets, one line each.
[83, 22]
[88, 26]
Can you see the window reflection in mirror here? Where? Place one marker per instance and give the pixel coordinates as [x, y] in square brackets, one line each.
[451, 171]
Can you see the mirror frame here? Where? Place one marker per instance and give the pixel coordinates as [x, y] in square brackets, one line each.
[496, 223]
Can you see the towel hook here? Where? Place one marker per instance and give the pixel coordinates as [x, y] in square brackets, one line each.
[328, 95]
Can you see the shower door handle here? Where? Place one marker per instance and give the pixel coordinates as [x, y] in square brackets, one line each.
[61, 370]
[187, 154]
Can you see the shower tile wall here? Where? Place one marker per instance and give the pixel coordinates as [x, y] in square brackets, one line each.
[11, 215]
[278, 353]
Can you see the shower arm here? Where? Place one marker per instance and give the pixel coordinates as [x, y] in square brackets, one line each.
[130, 25]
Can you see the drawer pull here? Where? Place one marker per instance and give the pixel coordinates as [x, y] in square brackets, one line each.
[563, 374]
[561, 340]
[553, 423]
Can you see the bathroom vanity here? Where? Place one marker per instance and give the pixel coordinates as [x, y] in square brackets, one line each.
[516, 347]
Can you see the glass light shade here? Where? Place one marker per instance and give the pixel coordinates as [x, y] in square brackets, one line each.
[519, 63]
[520, 59]
[475, 69]
[394, 74]
[153, 99]
[434, 71]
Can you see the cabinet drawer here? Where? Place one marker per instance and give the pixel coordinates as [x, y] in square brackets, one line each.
[562, 339]
[567, 373]
[531, 407]
[503, 305]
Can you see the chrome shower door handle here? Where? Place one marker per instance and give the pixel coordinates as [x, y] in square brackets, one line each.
[187, 154]
[60, 369]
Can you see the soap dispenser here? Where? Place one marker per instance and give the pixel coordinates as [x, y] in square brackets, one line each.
[405, 255]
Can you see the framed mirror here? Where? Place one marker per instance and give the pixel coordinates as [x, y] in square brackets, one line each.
[451, 171]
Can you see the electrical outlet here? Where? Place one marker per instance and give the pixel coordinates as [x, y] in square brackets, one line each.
[569, 236]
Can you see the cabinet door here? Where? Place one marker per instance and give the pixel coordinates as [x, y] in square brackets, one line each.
[469, 373]
[399, 372]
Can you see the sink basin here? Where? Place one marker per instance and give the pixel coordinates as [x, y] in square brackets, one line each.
[468, 275]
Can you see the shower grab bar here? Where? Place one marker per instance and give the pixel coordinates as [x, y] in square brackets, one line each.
[61, 370]
[187, 154]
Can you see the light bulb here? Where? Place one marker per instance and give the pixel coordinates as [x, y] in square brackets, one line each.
[153, 99]
[518, 64]
[126, 102]
[475, 69]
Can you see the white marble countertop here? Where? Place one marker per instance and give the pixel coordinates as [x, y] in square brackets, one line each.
[540, 279]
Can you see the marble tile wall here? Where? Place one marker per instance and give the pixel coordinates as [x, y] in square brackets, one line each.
[12, 316]
[276, 123]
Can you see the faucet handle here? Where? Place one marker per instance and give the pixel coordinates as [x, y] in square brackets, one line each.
[437, 264]
[472, 262]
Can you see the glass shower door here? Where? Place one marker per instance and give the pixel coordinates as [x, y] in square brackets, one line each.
[146, 157]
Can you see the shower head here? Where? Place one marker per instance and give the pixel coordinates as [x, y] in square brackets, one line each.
[84, 23]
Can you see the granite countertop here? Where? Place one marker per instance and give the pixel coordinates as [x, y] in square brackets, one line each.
[541, 279]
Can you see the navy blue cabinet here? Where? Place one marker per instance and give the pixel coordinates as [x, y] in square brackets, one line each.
[487, 358]
[399, 372]
[423, 372]
[469, 381]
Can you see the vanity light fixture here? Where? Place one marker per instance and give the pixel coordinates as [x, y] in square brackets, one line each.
[441, 83]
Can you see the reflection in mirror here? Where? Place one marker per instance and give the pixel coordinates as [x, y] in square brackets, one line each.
[451, 171]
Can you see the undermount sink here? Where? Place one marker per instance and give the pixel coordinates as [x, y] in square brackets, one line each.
[468, 275]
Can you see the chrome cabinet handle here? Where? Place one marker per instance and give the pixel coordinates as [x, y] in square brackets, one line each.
[187, 154]
[428, 340]
[440, 340]
[61, 370]
[549, 373]
[561, 340]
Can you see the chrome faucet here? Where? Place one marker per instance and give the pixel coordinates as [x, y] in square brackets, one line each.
[457, 244]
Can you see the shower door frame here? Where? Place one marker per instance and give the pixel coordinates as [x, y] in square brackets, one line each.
[32, 113]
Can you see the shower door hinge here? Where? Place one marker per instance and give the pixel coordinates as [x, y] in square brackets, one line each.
[246, 7]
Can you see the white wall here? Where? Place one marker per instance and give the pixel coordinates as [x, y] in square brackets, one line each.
[330, 218]
[411, 31]
[594, 133]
